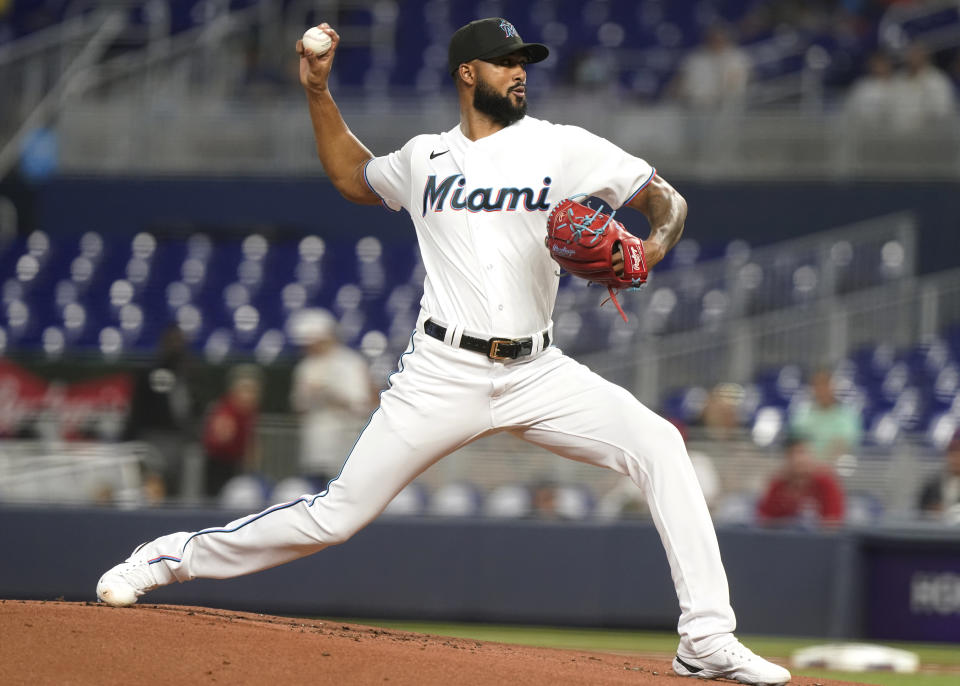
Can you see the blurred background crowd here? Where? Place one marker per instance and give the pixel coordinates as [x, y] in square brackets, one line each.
[180, 327]
[704, 54]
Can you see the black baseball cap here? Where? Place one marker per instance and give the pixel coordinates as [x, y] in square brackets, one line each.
[486, 39]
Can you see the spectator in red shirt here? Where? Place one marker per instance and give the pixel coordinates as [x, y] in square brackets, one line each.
[804, 488]
[229, 431]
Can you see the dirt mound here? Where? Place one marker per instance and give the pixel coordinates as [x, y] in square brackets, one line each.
[88, 643]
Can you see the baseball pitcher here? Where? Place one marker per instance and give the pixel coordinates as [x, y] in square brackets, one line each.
[495, 202]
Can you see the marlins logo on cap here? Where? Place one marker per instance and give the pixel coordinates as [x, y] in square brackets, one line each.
[488, 39]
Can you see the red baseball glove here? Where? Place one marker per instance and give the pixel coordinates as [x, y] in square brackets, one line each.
[594, 246]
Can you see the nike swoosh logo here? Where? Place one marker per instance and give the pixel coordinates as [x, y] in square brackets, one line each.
[690, 668]
[437, 154]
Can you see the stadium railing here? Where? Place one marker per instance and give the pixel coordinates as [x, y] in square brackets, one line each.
[807, 301]
[189, 102]
[69, 472]
[892, 476]
[31, 65]
[47, 68]
[195, 135]
[60, 473]
[901, 314]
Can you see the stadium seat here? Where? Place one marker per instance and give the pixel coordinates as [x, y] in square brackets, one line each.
[736, 509]
[289, 489]
[218, 345]
[946, 384]
[768, 425]
[574, 502]
[269, 347]
[884, 430]
[686, 404]
[411, 501]
[941, 429]
[509, 501]
[244, 492]
[862, 509]
[459, 499]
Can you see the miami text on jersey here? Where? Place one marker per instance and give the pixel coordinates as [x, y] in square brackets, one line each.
[481, 199]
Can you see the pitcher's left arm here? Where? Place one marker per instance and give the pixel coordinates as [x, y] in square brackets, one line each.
[666, 211]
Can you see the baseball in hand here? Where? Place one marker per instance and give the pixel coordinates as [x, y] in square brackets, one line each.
[316, 41]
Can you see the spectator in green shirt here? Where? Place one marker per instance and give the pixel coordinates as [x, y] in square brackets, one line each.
[832, 428]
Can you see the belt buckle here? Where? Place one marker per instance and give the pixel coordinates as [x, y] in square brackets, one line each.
[494, 352]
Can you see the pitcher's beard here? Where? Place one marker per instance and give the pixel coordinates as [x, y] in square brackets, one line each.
[498, 107]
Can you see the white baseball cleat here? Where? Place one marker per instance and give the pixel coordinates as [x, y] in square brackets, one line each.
[121, 585]
[736, 662]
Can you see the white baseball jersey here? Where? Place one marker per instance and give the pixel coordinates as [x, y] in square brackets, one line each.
[480, 210]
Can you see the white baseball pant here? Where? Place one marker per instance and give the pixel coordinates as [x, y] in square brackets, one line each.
[442, 398]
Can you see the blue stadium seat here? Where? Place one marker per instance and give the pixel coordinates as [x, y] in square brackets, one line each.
[247, 492]
[509, 501]
[768, 425]
[291, 488]
[736, 509]
[574, 501]
[411, 501]
[862, 509]
[458, 499]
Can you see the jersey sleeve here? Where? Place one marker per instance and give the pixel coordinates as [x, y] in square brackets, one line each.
[597, 167]
[389, 177]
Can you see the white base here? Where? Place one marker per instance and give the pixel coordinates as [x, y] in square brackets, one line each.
[857, 657]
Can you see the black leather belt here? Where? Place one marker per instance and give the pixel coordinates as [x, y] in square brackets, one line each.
[494, 348]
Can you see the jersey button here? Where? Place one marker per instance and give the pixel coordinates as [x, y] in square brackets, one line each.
[489, 267]
[500, 307]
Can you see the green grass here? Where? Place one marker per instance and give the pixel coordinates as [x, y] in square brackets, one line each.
[612, 640]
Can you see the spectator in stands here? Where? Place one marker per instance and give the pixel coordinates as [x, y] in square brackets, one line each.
[153, 490]
[229, 435]
[543, 499]
[803, 490]
[721, 413]
[162, 408]
[872, 97]
[924, 93]
[715, 75]
[832, 428]
[333, 392]
[940, 497]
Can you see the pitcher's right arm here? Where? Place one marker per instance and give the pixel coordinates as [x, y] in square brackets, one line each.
[341, 153]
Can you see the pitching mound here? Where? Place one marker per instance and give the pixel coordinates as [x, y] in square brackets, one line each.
[88, 643]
